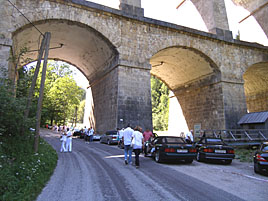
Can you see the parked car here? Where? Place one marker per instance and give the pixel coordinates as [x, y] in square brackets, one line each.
[96, 137]
[173, 148]
[261, 158]
[77, 132]
[209, 148]
[110, 137]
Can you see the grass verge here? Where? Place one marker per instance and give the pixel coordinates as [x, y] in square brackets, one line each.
[244, 154]
[24, 173]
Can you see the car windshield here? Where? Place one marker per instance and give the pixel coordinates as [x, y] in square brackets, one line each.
[174, 140]
[265, 148]
[214, 141]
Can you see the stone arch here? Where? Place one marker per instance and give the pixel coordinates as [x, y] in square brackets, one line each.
[88, 50]
[194, 78]
[256, 87]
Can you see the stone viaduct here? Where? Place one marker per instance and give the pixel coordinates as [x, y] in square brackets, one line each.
[215, 78]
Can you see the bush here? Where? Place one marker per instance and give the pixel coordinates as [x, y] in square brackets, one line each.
[23, 173]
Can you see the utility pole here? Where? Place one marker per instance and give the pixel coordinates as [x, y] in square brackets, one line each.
[41, 92]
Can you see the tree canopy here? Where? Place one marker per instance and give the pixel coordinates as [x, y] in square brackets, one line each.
[160, 104]
[61, 94]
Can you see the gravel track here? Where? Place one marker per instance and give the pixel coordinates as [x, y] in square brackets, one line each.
[97, 171]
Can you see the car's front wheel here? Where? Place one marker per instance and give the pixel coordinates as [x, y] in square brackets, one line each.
[158, 157]
[108, 142]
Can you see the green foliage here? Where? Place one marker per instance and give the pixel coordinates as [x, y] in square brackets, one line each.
[244, 154]
[11, 111]
[160, 104]
[81, 111]
[61, 93]
[24, 173]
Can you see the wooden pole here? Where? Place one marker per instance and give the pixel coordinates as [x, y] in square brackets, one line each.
[31, 91]
[41, 92]
[180, 4]
[253, 12]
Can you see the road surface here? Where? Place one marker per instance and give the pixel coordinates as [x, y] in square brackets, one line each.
[97, 172]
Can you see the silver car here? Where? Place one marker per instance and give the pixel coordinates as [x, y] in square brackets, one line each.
[110, 137]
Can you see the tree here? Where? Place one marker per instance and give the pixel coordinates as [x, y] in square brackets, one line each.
[61, 93]
[160, 104]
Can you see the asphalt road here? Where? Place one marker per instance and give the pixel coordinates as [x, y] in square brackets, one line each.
[97, 171]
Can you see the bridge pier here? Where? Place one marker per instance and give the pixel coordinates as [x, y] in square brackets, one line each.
[132, 7]
[214, 15]
[6, 69]
[121, 97]
[213, 103]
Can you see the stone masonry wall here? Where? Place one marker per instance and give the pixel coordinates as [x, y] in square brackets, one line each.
[257, 102]
[203, 105]
[104, 94]
[134, 97]
[234, 103]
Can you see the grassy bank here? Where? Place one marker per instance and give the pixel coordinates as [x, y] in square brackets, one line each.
[24, 173]
[244, 154]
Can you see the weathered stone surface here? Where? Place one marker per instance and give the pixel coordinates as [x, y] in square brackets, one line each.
[114, 51]
[259, 9]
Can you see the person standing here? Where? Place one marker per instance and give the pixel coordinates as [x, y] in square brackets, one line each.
[189, 138]
[138, 143]
[147, 135]
[63, 139]
[91, 132]
[69, 140]
[127, 138]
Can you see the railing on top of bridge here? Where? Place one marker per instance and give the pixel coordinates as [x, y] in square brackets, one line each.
[238, 137]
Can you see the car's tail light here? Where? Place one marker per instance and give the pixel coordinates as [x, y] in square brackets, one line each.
[114, 138]
[169, 150]
[192, 150]
[259, 158]
[208, 150]
[230, 151]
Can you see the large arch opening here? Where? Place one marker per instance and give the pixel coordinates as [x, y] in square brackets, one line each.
[195, 81]
[86, 49]
[256, 87]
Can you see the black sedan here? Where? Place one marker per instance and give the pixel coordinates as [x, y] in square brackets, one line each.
[261, 158]
[171, 148]
[214, 149]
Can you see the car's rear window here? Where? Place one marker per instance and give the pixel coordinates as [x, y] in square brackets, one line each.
[174, 140]
[214, 141]
[111, 133]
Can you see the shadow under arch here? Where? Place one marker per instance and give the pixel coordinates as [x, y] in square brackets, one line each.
[82, 46]
[194, 78]
[256, 87]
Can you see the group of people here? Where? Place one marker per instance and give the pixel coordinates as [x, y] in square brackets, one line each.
[133, 140]
[88, 134]
[66, 140]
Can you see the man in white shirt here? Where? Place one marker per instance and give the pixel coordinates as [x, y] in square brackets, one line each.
[127, 138]
[69, 140]
[91, 132]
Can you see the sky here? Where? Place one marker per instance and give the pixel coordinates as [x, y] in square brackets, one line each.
[187, 15]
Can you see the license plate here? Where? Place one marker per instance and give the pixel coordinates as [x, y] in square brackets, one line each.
[220, 151]
[182, 150]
